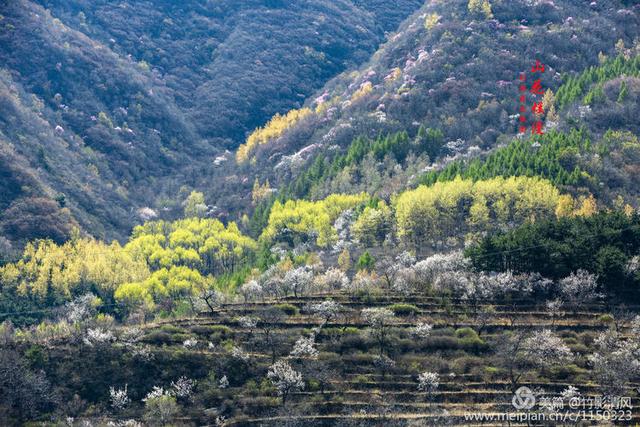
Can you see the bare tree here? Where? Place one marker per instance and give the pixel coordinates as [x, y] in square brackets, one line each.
[269, 319]
[520, 350]
[379, 320]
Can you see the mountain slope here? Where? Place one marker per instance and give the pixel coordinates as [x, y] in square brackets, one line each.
[453, 70]
[115, 106]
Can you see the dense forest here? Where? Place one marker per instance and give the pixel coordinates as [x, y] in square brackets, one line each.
[319, 213]
[108, 100]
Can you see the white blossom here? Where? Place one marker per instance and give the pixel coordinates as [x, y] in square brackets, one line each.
[251, 290]
[429, 268]
[384, 362]
[332, 279]
[156, 392]
[362, 282]
[579, 288]
[569, 393]
[190, 343]
[248, 322]
[305, 347]
[285, 378]
[298, 280]
[239, 353]
[544, 348]
[98, 336]
[147, 214]
[81, 308]
[131, 336]
[633, 266]
[224, 382]
[616, 360]
[327, 310]
[422, 330]
[377, 317]
[183, 387]
[428, 381]
[142, 352]
[119, 398]
[125, 423]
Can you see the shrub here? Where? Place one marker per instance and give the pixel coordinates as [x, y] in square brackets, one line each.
[361, 379]
[171, 329]
[605, 318]
[404, 309]
[158, 338]
[469, 339]
[288, 309]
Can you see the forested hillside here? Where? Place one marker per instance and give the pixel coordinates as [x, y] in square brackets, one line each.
[114, 107]
[448, 79]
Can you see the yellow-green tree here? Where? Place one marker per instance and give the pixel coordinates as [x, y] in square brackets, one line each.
[429, 215]
[303, 220]
[373, 224]
[167, 285]
[480, 7]
[431, 21]
[275, 128]
[194, 205]
[204, 244]
[57, 273]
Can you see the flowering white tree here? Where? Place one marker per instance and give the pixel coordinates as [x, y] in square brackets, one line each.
[285, 379]
[125, 423]
[327, 310]
[305, 347]
[569, 393]
[392, 266]
[119, 398]
[422, 330]
[363, 282]
[342, 225]
[190, 343]
[142, 352]
[521, 349]
[160, 408]
[404, 280]
[430, 268]
[428, 382]
[248, 322]
[579, 288]
[183, 387]
[457, 283]
[544, 349]
[82, 308]
[98, 336]
[211, 298]
[251, 291]
[616, 359]
[239, 354]
[298, 280]
[554, 309]
[379, 320]
[156, 391]
[332, 279]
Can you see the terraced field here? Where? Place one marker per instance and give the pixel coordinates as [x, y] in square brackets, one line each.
[357, 380]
